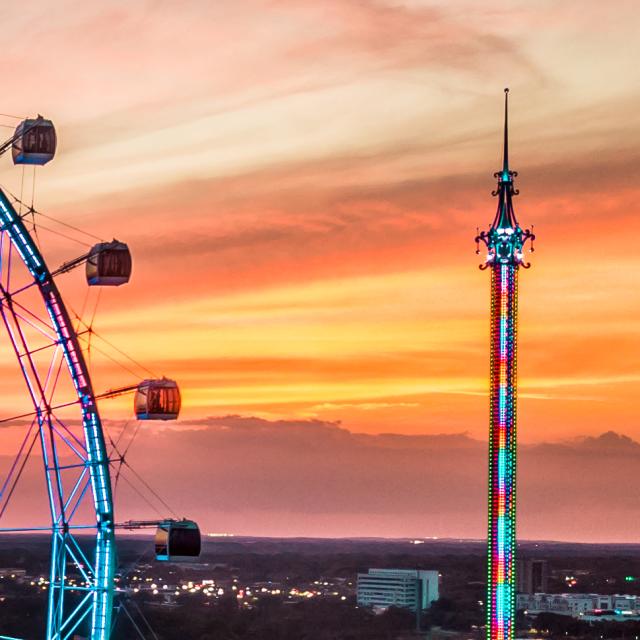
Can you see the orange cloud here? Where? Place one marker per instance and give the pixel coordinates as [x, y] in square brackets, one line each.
[300, 186]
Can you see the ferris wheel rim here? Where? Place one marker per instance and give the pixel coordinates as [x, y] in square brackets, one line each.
[94, 478]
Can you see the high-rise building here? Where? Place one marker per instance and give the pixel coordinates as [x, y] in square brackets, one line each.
[533, 576]
[405, 588]
[504, 242]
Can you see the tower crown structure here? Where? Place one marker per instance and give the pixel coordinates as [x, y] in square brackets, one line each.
[505, 239]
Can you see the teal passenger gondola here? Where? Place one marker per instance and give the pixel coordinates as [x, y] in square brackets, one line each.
[177, 540]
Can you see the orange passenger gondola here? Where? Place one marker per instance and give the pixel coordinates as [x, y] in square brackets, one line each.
[157, 400]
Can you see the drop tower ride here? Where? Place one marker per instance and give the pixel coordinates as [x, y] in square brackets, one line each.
[504, 243]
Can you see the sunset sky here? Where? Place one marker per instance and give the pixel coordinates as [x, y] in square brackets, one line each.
[300, 184]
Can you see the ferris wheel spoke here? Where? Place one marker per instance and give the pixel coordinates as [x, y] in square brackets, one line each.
[8, 269]
[50, 378]
[76, 491]
[87, 604]
[75, 548]
[70, 439]
[56, 578]
[18, 473]
[39, 388]
[71, 490]
[78, 494]
[21, 344]
[37, 326]
[79, 559]
[80, 465]
[15, 345]
[23, 530]
[55, 380]
[16, 460]
[46, 458]
[32, 352]
[76, 527]
[3, 243]
[19, 290]
[56, 484]
[42, 412]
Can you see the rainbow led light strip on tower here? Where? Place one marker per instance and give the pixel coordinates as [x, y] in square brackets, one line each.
[504, 243]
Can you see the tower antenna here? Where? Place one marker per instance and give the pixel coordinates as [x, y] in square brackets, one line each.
[505, 153]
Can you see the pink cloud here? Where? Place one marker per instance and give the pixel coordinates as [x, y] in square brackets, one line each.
[307, 478]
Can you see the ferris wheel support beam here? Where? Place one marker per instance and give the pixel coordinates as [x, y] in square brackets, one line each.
[97, 605]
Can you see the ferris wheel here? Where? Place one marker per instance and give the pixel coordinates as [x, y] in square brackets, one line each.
[58, 424]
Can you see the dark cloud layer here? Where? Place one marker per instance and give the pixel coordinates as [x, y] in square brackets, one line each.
[248, 475]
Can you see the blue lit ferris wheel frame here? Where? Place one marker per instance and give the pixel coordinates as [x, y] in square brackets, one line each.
[90, 479]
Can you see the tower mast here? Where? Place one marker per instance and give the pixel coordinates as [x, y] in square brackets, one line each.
[504, 242]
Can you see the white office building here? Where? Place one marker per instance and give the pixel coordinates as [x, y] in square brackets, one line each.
[405, 588]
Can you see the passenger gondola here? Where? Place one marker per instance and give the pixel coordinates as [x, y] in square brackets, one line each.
[34, 142]
[157, 400]
[109, 264]
[177, 540]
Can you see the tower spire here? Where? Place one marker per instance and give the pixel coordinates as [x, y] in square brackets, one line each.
[505, 215]
[505, 154]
